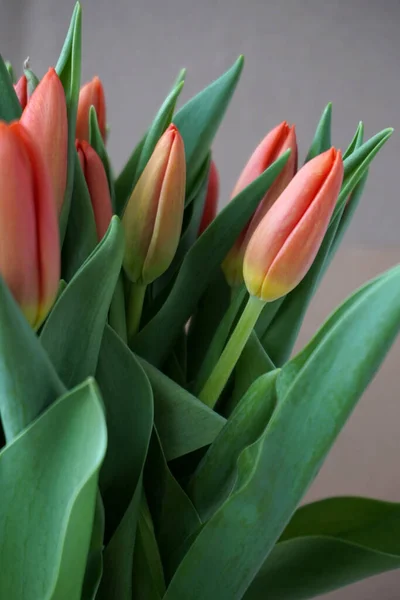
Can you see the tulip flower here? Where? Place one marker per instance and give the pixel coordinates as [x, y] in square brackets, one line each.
[45, 117]
[154, 213]
[286, 241]
[96, 180]
[270, 149]
[153, 219]
[21, 89]
[280, 252]
[91, 94]
[210, 205]
[29, 249]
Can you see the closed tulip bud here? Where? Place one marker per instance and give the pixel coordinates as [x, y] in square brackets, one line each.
[211, 202]
[96, 180]
[29, 249]
[267, 152]
[91, 94]
[154, 213]
[21, 89]
[286, 241]
[45, 117]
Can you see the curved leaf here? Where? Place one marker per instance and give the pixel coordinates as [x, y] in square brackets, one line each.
[48, 478]
[198, 120]
[175, 518]
[28, 381]
[275, 471]
[133, 385]
[330, 544]
[184, 424]
[94, 564]
[125, 391]
[79, 315]
[216, 474]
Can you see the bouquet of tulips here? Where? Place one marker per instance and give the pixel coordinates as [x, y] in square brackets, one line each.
[157, 435]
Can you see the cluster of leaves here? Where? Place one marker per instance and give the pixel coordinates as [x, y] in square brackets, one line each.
[117, 482]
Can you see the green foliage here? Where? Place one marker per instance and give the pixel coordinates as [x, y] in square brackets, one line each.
[117, 481]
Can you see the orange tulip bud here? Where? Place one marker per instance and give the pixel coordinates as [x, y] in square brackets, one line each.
[29, 249]
[91, 94]
[267, 152]
[96, 180]
[286, 241]
[21, 89]
[45, 117]
[210, 205]
[154, 213]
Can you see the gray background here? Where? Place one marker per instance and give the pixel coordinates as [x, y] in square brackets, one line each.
[299, 55]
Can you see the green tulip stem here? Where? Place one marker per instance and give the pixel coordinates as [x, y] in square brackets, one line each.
[135, 307]
[231, 354]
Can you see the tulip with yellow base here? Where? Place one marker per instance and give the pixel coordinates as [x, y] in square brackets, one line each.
[153, 219]
[280, 252]
[29, 238]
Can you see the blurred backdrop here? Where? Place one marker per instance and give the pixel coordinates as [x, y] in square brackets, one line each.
[300, 54]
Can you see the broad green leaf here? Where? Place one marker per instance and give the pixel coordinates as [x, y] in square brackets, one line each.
[32, 79]
[253, 363]
[281, 335]
[219, 339]
[94, 564]
[125, 391]
[210, 311]
[48, 478]
[28, 381]
[330, 544]
[69, 70]
[174, 516]
[81, 236]
[199, 267]
[199, 119]
[96, 141]
[322, 137]
[10, 107]
[123, 183]
[216, 474]
[184, 424]
[119, 552]
[79, 315]
[314, 402]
